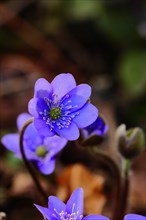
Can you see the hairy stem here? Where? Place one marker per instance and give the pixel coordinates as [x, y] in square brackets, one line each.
[27, 164]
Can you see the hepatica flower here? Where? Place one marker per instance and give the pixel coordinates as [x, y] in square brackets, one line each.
[39, 149]
[73, 210]
[61, 107]
[134, 217]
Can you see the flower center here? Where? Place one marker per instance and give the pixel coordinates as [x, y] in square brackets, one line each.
[59, 113]
[41, 151]
[55, 113]
[66, 216]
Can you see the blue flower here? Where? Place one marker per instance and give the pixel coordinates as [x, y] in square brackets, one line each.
[73, 210]
[39, 149]
[61, 107]
[134, 217]
[98, 127]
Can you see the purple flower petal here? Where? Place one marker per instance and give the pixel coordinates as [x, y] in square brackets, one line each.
[70, 133]
[21, 119]
[30, 155]
[55, 144]
[32, 138]
[56, 205]
[98, 127]
[73, 103]
[46, 212]
[75, 202]
[82, 90]
[95, 217]
[43, 128]
[134, 217]
[76, 98]
[42, 88]
[32, 107]
[11, 142]
[41, 106]
[87, 115]
[62, 84]
[46, 167]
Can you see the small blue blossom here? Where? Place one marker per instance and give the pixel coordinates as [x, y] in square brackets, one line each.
[61, 107]
[134, 217]
[98, 127]
[39, 149]
[73, 210]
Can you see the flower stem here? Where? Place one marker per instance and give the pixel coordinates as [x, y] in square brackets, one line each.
[116, 175]
[27, 164]
[124, 198]
[125, 190]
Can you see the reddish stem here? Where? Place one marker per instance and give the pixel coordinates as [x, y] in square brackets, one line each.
[27, 164]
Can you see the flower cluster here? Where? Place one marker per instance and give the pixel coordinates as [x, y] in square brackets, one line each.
[60, 110]
[39, 149]
[61, 107]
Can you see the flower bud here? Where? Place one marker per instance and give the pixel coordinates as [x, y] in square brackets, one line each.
[130, 142]
[94, 134]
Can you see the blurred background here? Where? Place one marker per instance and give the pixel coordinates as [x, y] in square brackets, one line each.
[101, 43]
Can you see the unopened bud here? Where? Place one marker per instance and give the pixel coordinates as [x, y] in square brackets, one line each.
[130, 142]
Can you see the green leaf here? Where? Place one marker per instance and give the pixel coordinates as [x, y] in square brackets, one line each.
[12, 160]
[132, 72]
[80, 10]
[119, 26]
